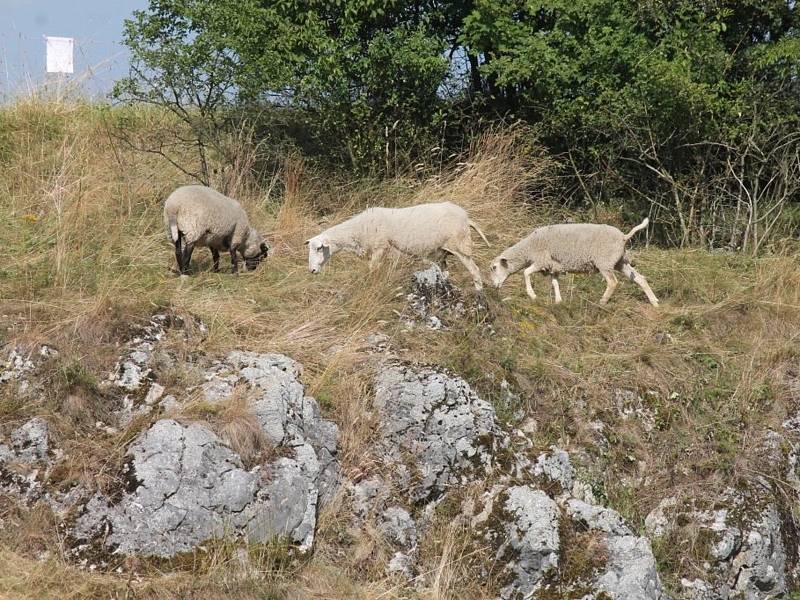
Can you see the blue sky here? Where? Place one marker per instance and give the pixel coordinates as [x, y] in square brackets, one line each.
[96, 26]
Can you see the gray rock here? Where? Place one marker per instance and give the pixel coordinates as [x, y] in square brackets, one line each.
[697, 589]
[747, 556]
[432, 282]
[16, 365]
[630, 572]
[432, 297]
[557, 467]
[285, 413]
[630, 405]
[154, 394]
[31, 442]
[656, 524]
[630, 569]
[134, 367]
[288, 504]
[759, 568]
[185, 485]
[401, 564]
[598, 518]
[169, 403]
[369, 494]
[61, 503]
[522, 525]
[436, 424]
[398, 527]
[434, 322]
[25, 461]
[20, 365]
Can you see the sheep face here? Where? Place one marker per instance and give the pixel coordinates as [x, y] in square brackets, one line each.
[319, 252]
[500, 271]
[255, 250]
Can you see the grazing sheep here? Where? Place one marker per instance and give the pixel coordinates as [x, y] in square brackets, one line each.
[196, 215]
[438, 228]
[571, 248]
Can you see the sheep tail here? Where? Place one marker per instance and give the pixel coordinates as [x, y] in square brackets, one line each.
[636, 229]
[472, 224]
[173, 229]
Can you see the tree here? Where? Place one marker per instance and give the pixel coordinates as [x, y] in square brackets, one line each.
[650, 101]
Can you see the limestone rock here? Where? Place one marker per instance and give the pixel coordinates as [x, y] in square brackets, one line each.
[185, 485]
[449, 434]
[521, 525]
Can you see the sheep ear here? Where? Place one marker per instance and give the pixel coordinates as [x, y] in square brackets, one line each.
[504, 263]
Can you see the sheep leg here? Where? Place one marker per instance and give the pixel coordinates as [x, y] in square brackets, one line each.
[528, 286]
[611, 285]
[441, 259]
[179, 254]
[556, 288]
[234, 260]
[215, 258]
[375, 258]
[186, 258]
[470, 265]
[637, 278]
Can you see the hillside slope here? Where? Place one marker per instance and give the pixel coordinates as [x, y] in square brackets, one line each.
[693, 407]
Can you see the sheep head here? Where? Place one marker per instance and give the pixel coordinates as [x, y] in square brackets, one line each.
[319, 252]
[500, 271]
[255, 250]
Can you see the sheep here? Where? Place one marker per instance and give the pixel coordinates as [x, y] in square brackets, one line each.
[571, 248]
[440, 229]
[196, 215]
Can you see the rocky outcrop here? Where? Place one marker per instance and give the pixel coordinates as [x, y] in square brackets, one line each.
[433, 300]
[19, 365]
[435, 429]
[522, 524]
[134, 375]
[186, 479]
[185, 485]
[741, 542]
[630, 569]
[437, 436]
[25, 460]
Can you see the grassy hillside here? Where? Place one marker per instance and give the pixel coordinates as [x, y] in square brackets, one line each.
[86, 257]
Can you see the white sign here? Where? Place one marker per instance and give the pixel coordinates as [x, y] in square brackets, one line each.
[59, 54]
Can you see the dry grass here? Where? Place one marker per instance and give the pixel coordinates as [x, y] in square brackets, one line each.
[87, 257]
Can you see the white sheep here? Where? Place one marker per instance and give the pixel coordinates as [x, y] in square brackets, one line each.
[440, 229]
[571, 248]
[196, 215]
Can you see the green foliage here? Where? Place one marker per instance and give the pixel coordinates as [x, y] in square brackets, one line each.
[361, 76]
[680, 108]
